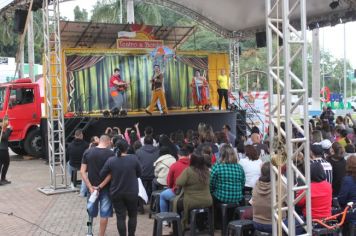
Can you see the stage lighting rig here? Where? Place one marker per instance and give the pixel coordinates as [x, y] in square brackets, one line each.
[334, 4]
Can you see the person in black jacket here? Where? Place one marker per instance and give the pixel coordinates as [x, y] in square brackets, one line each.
[75, 152]
[124, 170]
[6, 130]
[147, 155]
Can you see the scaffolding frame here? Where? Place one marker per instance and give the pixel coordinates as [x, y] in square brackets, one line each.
[234, 54]
[278, 26]
[54, 99]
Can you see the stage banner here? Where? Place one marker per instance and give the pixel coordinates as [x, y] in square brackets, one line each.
[138, 44]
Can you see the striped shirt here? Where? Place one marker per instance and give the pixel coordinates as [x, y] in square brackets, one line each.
[227, 181]
[327, 168]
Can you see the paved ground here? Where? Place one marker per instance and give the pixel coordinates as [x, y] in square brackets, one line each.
[62, 214]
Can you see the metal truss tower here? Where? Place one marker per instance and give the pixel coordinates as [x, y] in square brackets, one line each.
[234, 53]
[281, 60]
[54, 99]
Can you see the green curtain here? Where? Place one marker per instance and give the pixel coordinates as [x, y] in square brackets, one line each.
[92, 84]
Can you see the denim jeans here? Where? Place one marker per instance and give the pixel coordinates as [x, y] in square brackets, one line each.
[262, 227]
[164, 199]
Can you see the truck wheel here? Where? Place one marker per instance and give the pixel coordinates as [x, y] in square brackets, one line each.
[19, 151]
[33, 143]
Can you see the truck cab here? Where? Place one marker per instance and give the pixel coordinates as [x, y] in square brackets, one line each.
[20, 103]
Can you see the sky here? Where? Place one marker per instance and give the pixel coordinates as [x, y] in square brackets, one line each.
[331, 38]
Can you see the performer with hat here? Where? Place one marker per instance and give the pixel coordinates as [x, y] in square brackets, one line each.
[157, 91]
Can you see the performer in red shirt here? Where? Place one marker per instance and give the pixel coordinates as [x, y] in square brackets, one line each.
[117, 89]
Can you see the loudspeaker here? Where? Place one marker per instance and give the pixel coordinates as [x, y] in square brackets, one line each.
[20, 21]
[261, 39]
[37, 4]
[355, 73]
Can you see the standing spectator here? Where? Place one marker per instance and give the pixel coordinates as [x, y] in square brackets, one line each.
[75, 151]
[195, 183]
[317, 155]
[132, 135]
[348, 189]
[327, 115]
[251, 166]
[316, 136]
[231, 138]
[148, 132]
[343, 139]
[174, 172]
[92, 162]
[123, 171]
[147, 155]
[6, 131]
[94, 141]
[162, 166]
[338, 164]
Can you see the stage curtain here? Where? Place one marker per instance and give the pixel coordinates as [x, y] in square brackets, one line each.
[75, 63]
[92, 84]
[200, 63]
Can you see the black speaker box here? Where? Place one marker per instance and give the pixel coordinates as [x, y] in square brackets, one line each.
[20, 21]
[261, 40]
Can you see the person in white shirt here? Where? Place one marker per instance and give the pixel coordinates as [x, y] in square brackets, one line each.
[252, 167]
[148, 132]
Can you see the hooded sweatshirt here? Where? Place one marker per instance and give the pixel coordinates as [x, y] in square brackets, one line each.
[162, 168]
[147, 155]
[175, 170]
[261, 202]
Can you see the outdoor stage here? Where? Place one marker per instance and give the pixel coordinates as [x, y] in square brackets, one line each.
[161, 123]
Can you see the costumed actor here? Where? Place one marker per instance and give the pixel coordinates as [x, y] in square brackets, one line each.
[200, 89]
[117, 92]
[157, 91]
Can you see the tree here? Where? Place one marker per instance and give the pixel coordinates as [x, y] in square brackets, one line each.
[80, 14]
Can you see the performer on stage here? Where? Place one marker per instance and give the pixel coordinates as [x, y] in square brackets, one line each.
[157, 91]
[117, 89]
[200, 89]
[223, 88]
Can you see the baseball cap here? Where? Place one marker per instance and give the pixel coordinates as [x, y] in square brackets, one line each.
[326, 144]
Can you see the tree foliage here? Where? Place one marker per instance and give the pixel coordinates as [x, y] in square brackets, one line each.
[80, 14]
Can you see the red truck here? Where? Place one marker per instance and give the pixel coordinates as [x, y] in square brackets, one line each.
[20, 102]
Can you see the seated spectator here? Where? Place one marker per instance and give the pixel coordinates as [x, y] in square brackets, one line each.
[254, 130]
[165, 141]
[162, 165]
[174, 172]
[134, 147]
[147, 155]
[261, 201]
[227, 178]
[320, 191]
[189, 136]
[348, 189]
[195, 183]
[251, 166]
[230, 136]
[316, 136]
[349, 150]
[262, 149]
[317, 155]
[207, 153]
[338, 164]
[343, 139]
[240, 149]
[148, 132]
